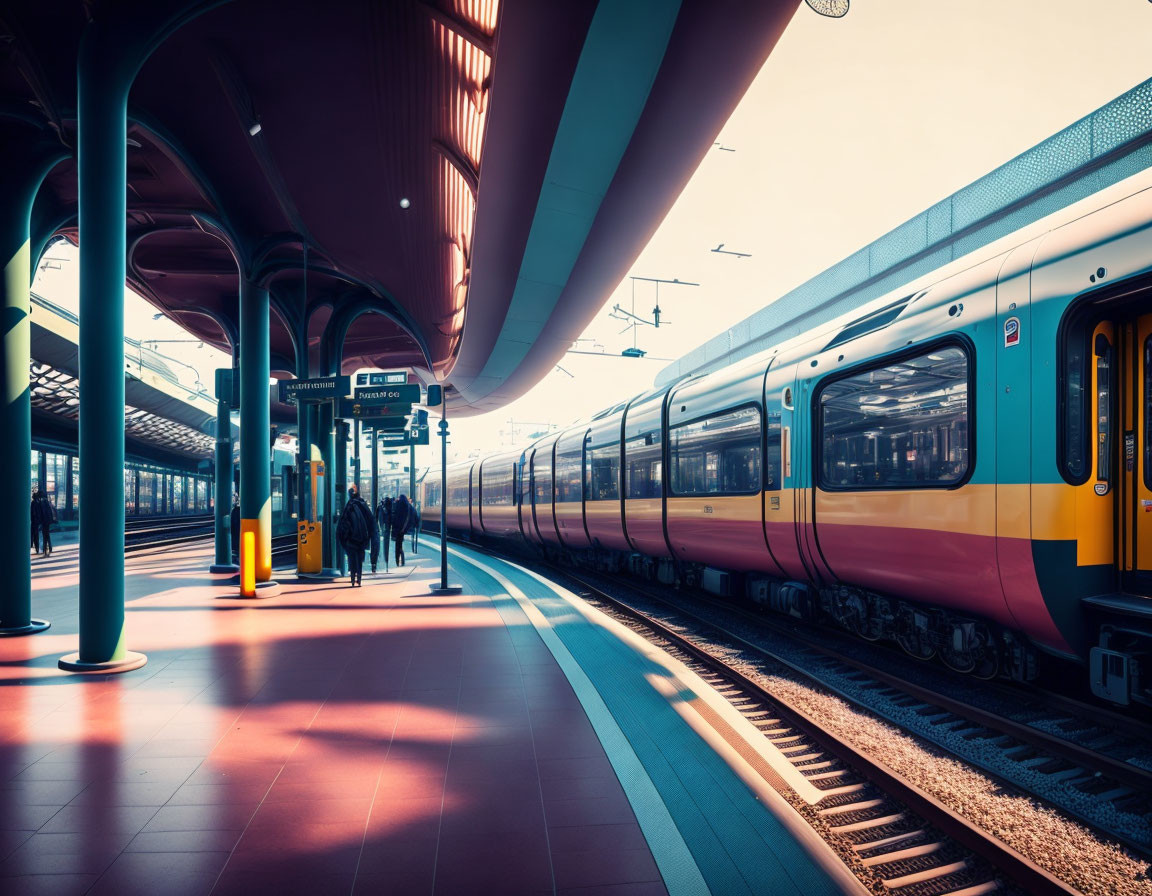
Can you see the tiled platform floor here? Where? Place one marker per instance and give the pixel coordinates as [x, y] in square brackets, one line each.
[329, 740]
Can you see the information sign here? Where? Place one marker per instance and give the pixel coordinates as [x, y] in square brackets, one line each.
[382, 378]
[371, 396]
[323, 388]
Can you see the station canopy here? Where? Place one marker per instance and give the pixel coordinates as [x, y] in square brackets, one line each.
[458, 183]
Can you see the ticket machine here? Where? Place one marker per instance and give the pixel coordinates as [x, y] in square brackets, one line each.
[310, 527]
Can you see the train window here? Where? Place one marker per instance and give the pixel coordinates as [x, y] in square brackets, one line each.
[569, 474]
[604, 471]
[496, 487]
[645, 465]
[903, 425]
[1074, 409]
[716, 455]
[542, 479]
[1103, 350]
[772, 481]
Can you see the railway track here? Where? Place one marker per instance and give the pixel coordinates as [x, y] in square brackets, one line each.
[1090, 762]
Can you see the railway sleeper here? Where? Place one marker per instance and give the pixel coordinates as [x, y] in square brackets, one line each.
[888, 844]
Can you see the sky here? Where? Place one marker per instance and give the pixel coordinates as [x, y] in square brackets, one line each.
[852, 126]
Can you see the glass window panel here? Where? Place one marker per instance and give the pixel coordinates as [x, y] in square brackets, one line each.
[76, 484]
[35, 465]
[569, 473]
[645, 462]
[1074, 411]
[542, 478]
[903, 425]
[1103, 408]
[497, 488]
[604, 472]
[716, 455]
[772, 474]
[129, 491]
[178, 494]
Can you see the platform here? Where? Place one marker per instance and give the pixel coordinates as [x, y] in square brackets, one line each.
[375, 740]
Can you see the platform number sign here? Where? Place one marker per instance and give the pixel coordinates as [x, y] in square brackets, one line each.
[1011, 332]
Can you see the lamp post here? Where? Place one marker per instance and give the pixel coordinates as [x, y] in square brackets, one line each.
[444, 587]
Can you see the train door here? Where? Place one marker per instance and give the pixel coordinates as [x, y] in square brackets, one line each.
[805, 477]
[1122, 378]
[780, 504]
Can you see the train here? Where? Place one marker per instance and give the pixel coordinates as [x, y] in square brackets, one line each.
[962, 467]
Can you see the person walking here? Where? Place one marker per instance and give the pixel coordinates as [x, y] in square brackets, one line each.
[43, 516]
[355, 531]
[414, 528]
[384, 524]
[401, 515]
[32, 523]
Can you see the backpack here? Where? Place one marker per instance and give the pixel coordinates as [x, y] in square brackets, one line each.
[352, 529]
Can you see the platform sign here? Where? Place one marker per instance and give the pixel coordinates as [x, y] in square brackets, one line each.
[370, 396]
[382, 417]
[323, 388]
[382, 378]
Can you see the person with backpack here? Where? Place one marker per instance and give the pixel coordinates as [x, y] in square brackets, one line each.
[384, 523]
[401, 517]
[355, 531]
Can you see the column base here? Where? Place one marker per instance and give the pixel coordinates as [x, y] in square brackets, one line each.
[326, 575]
[230, 568]
[447, 589]
[131, 660]
[36, 625]
[263, 590]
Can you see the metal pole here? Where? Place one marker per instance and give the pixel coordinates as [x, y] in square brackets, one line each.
[444, 499]
[444, 588]
[223, 562]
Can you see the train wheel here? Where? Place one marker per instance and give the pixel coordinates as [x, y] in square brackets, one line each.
[915, 632]
[970, 648]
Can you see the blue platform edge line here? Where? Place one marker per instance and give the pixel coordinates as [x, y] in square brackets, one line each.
[708, 832]
[1099, 150]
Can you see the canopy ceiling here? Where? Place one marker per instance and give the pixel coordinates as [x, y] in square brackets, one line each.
[538, 146]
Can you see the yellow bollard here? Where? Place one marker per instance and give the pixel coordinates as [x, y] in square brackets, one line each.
[248, 564]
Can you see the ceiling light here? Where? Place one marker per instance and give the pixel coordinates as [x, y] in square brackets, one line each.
[255, 129]
[404, 203]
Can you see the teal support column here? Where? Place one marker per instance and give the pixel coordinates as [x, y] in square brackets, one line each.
[223, 559]
[356, 437]
[255, 463]
[340, 461]
[102, 134]
[326, 437]
[375, 468]
[21, 180]
[303, 468]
